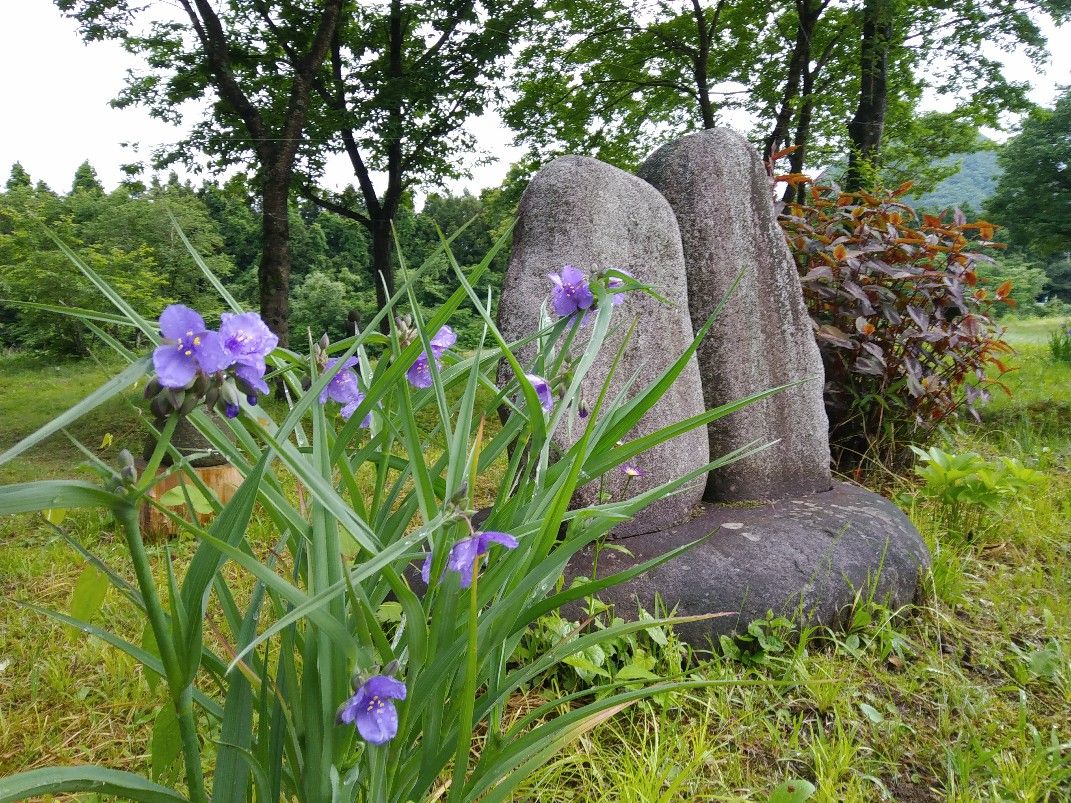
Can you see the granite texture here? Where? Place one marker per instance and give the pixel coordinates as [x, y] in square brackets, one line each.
[721, 196]
[583, 212]
[807, 558]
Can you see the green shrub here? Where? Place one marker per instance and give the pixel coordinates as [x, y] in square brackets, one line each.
[902, 318]
[969, 488]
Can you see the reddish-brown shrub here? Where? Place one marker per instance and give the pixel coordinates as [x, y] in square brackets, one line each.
[901, 317]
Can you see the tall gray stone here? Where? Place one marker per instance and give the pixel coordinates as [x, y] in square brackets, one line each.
[720, 193]
[582, 212]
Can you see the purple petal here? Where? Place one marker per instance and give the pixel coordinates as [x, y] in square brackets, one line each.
[178, 320]
[573, 276]
[419, 374]
[351, 407]
[350, 362]
[246, 334]
[561, 302]
[173, 368]
[583, 297]
[425, 570]
[542, 389]
[252, 377]
[384, 686]
[492, 536]
[210, 354]
[348, 712]
[444, 339]
[342, 388]
[379, 725]
[461, 558]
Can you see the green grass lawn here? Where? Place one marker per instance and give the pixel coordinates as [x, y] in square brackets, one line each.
[964, 698]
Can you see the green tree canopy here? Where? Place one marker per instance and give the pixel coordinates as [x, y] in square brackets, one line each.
[1033, 195]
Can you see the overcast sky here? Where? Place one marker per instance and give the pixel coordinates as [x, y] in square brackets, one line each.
[55, 92]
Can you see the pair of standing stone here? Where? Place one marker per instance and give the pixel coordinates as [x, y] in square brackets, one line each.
[698, 215]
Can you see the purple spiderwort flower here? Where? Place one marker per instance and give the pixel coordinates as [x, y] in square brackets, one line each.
[570, 291]
[464, 553]
[187, 348]
[232, 410]
[631, 469]
[247, 341]
[343, 388]
[419, 373]
[371, 708]
[542, 389]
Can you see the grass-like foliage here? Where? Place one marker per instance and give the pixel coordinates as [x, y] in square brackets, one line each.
[903, 320]
[339, 629]
[1060, 343]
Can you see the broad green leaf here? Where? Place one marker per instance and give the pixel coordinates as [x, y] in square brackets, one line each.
[176, 497]
[100, 780]
[89, 592]
[30, 497]
[871, 713]
[55, 515]
[166, 741]
[792, 791]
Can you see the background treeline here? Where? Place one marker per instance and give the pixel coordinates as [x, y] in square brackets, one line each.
[390, 88]
[129, 236]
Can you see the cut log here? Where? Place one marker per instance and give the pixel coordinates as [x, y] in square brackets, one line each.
[222, 480]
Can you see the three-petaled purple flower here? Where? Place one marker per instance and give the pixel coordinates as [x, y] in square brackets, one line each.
[542, 389]
[570, 292]
[187, 348]
[371, 708]
[344, 389]
[246, 341]
[463, 554]
[419, 373]
[631, 469]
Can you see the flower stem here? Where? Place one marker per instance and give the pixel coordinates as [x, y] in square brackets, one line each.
[468, 697]
[180, 690]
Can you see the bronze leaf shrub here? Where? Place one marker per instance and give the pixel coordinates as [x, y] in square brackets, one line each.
[902, 319]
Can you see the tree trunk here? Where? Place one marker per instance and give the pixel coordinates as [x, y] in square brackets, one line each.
[865, 128]
[382, 266]
[274, 271]
[803, 135]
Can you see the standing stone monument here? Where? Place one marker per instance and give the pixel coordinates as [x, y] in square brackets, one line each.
[812, 546]
[582, 212]
[761, 339]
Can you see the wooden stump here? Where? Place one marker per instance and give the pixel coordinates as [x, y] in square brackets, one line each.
[222, 480]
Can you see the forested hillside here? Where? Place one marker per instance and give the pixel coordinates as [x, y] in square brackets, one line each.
[970, 186]
[129, 236]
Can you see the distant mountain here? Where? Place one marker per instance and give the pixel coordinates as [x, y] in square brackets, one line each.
[971, 186]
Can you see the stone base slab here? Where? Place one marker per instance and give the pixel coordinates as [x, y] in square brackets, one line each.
[808, 558]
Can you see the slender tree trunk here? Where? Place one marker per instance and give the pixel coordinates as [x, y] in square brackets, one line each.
[779, 135]
[797, 158]
[701, 62]
[382, 264]
[274, 271]
[865, 128]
